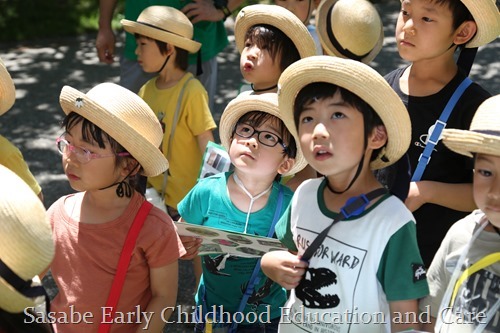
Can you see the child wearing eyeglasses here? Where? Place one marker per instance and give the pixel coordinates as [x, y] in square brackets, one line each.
[245, 200]
[111, 136]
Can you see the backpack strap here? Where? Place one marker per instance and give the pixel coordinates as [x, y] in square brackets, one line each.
[123, 263]
[353, 207]
[255, 278]
[440, 124]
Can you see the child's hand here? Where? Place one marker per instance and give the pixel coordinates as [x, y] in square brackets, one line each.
[284, 268]
[191, 244]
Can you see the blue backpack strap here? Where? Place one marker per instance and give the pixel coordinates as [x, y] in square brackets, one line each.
[440, 124]
[255, 278]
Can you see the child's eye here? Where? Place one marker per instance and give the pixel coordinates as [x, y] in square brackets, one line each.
[305, 120]
[270, 137]
[427, 19]
[484, 173]
[338, 115]
[404, 12]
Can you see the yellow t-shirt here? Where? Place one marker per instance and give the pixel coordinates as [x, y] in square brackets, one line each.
[194, 119]
[12, 158]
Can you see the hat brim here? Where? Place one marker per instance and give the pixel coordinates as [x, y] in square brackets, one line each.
[361, 80]
[278, 17]
[14, 302]
[487, 18]
[148, 155]
[7, 90]
[468, 142]
[244, 104]
[321, 28]
[170, 38]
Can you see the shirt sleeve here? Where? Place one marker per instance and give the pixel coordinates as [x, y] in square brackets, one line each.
[12, 158]
[284, 231]
[401, 270]
[191, 207]
[197, 112]
[438, 278]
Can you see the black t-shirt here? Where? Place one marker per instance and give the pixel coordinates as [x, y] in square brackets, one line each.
[445, 166]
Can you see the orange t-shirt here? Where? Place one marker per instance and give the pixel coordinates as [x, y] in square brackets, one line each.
[86, 259]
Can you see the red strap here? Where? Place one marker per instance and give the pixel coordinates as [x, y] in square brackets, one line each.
[123, 263]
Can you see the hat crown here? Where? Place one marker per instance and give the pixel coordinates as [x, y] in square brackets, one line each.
[167, 19]
[130, 109]
[486, 119]
[26, 245]
[356, 25]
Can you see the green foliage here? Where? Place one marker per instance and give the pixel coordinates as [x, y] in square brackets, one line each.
[32, 19]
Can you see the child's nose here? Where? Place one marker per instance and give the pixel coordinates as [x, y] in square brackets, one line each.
[253, 52]
[494, 192]
[252, 141]
[409, 27]
[320, 131]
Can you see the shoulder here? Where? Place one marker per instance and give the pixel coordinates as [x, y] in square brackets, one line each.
[394, 75]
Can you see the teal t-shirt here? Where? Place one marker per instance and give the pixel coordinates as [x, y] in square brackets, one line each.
[211, 35]
[208, 204]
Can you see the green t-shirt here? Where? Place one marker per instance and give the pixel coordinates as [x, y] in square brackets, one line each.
[212, 35]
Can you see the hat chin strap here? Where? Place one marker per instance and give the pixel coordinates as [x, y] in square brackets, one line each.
[124, 188]
[164, 64]
[358, 171]
[23, 286]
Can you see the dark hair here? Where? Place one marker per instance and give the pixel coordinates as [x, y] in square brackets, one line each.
[272, 39]
[459, 12]
[181, 58]
[93, 134]
[321, 90]
[257, 118]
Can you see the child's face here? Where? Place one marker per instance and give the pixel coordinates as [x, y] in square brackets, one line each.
[331, 135]
[250, 151]
[486, 186]
[424, 30]
[301, 8]
[148, 55]
[94, 174]
[258, 67]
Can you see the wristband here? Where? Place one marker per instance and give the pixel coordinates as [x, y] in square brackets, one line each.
[222, 5]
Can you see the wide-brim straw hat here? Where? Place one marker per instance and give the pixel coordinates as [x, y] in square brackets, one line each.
[125, 117]
[26, 245]
[278, 17]
[483, 137]
[7, 89]
[361, 80]
[166, 24]
[487, 18]
[247, 103]
[350, 29]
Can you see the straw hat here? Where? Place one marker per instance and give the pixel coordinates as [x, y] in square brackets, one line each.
[7, 89]
[278, 17]
[484, 134]
[363, 81]
[247, 103]
[125, 117]
[26, 245]
[350, 29]
[487, 17]
[166, 24]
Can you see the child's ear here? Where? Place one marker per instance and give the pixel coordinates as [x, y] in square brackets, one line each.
[378, 138]
[465, 32]
[129, 165]
[286, 165]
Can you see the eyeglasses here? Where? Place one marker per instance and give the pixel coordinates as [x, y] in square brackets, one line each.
[82, 155]
[266, 138]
